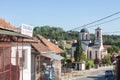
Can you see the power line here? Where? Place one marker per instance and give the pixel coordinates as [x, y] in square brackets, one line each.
[97, 20]
[104, 22]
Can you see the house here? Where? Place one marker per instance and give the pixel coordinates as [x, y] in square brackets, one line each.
[36, 59]
[23, 58]
[93, 49]
[15, 53]
[49, 55]
[63, 42]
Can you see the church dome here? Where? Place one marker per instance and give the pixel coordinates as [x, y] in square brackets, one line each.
[84, 30]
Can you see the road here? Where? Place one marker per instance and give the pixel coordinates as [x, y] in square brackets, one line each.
[94, 75]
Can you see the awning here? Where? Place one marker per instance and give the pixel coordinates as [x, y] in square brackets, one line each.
[52, 56]
[12, 33]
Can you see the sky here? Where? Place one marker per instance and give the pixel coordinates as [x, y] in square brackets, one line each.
[67, 14]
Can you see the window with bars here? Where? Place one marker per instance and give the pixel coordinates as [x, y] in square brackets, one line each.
[22, 58]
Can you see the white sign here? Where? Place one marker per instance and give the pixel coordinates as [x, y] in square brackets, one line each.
[27, 30]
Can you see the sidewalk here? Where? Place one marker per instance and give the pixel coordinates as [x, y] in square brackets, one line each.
[79, 74]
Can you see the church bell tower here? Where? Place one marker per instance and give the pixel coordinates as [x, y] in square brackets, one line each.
[98, 36]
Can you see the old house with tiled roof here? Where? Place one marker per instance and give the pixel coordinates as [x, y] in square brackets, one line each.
[54, 48]
[22, 58]
[15, 53]
[49, 57]
[7, 25]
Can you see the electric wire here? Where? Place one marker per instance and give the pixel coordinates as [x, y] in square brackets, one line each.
[96, 21]
[104, 22]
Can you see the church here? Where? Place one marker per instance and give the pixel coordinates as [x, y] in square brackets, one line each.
[93, 49]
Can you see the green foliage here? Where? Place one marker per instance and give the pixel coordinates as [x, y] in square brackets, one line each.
[65, 58]
[61, 46]
[111, 40]
[106, 60]
[68, 60]
[79, 55]
[59, 34]
[89, 63]
[113, 49]
[83, 56]
[55, 33]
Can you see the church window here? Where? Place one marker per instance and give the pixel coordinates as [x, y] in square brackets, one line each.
[97, 33]
[86, 37]
[90, 54]
[82, 36]
[96, 54]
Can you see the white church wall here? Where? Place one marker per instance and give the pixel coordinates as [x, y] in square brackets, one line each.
[98, 53]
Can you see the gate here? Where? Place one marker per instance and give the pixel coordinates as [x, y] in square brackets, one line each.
[7, 70]
[5, 62]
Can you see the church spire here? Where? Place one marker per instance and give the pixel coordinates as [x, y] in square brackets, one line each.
[98, 36]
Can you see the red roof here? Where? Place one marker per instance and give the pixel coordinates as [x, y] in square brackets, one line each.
[106, 46]
[6, 25]
[40, 47]
[54, 48]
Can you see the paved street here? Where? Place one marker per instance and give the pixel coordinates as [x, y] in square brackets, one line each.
[99, 77]
[94, 75]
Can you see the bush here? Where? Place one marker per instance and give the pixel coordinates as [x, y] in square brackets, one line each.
[89, 63]
[106, 60]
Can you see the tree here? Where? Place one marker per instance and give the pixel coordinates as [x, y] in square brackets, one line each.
[113, 49]
[79, 54]
[106, 59]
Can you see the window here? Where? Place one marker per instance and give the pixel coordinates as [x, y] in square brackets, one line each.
[82, 36]
[97, 34]
[96, 54]
[86, 37]
[90, 54]
[22, 58]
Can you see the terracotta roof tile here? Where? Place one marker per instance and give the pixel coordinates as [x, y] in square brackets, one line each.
[106, 46]
[40, 47]
[54, 48]
[7, 25]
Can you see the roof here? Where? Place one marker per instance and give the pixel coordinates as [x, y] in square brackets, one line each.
[106, 46]
[84, 30]
[12, 33]
[98, 28]
[40, 47]
[74, 44]
[7, 25]
[91, 44]
[53, 56]
[6, 30]
[54, 48]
